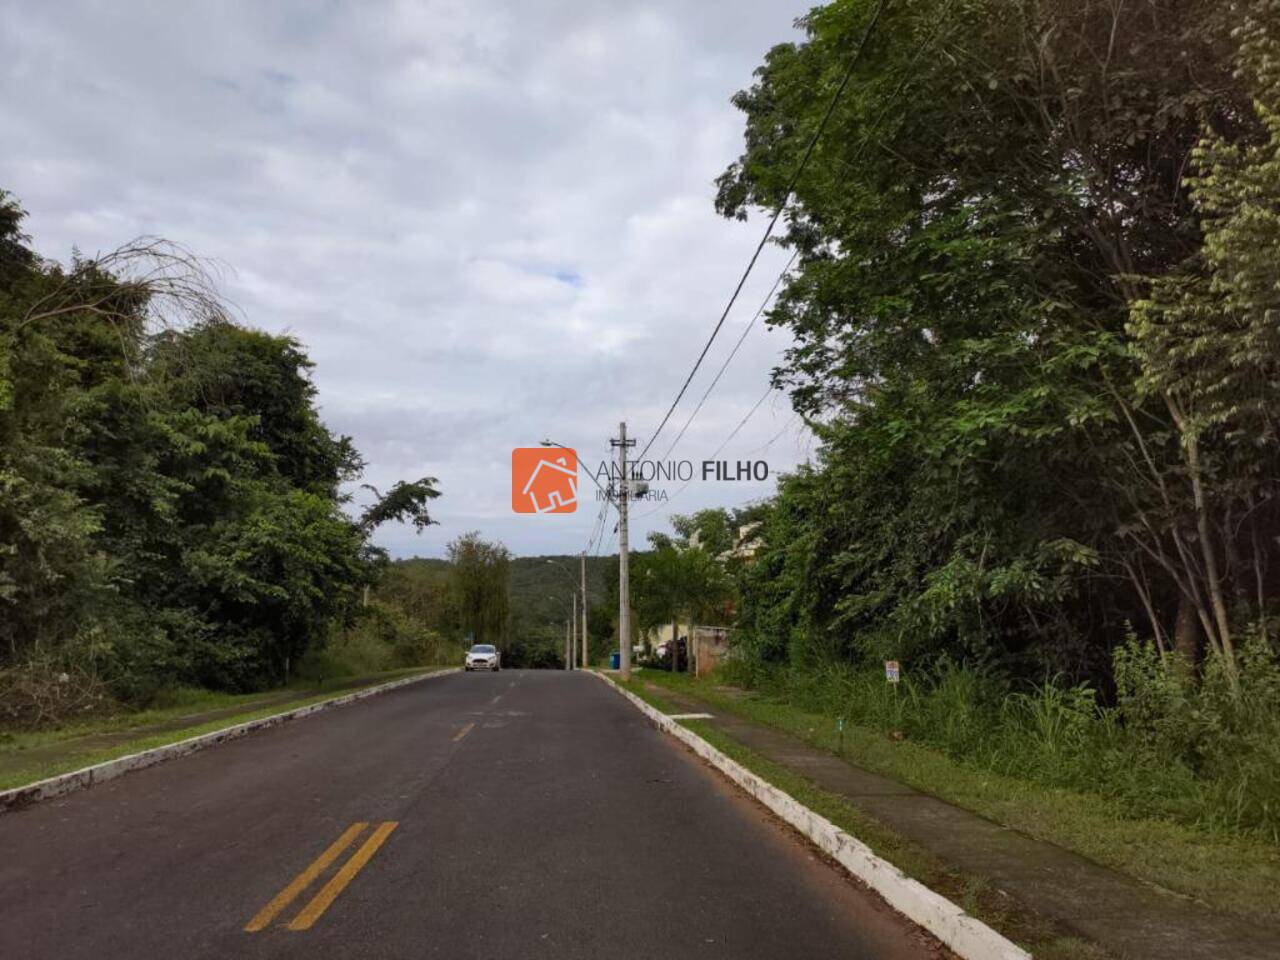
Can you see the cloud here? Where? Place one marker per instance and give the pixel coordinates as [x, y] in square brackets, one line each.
[488, 223]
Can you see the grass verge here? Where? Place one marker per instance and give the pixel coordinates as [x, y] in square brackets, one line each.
[26, 757]
[1231, 874]
[1026, 928]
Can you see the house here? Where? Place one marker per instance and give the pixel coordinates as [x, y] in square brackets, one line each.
[552, 486]
[707, 645]
[746, 543]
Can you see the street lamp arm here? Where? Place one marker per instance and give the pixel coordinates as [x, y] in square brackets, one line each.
[607, 495]
[572, 578]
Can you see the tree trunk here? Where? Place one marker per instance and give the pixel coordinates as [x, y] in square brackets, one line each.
[1140, 586]
[1186, 635]
[1216, 597]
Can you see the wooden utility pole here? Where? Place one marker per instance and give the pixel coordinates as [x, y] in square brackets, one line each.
[585, 652]
[624, 581]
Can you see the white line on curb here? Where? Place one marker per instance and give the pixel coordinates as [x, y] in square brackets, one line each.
[967, 936]
[85, 777]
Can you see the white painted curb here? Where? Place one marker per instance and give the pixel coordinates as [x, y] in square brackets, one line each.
[86, 777]
[967, 936]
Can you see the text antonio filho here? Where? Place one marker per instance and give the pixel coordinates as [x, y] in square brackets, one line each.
[720, 470]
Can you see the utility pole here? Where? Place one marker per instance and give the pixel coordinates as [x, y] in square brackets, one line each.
[624, 581]
[573, 629]
[585, 653]
[568, 656]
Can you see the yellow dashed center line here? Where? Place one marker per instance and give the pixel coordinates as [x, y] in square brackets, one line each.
[304, 879]
[329, 892]
[463, 732]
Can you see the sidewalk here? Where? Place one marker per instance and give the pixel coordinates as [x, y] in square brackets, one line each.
[1129, 918]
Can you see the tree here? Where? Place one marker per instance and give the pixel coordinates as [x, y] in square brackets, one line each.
[1000, 189]
[671, 584]
[422, 589]
[1209, 345]
[170, 505]
[481, 585]
[406, 501]
[713, 530]
[228, 371]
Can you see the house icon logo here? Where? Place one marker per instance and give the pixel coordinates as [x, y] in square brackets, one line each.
[544, 480]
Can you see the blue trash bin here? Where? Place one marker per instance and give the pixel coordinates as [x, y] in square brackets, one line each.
[615, 660]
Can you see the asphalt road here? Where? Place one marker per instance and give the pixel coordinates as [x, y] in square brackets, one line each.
[519, 814]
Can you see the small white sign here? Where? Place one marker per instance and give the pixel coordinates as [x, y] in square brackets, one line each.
[892, 673]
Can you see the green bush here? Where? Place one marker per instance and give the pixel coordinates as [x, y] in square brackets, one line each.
[1176, 743]
[381, 637]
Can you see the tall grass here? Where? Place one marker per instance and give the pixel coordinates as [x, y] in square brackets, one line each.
[1175, 743]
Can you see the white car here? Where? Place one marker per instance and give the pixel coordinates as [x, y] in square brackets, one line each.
[483, 656]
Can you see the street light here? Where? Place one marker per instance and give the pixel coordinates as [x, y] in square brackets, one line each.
[583, 643]
[582, 557]
[556, 564]
[607, 495]
[568, 629]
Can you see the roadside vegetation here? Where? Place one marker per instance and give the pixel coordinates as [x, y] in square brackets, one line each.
[172, 508]
[1034, 311]
[1168, 745]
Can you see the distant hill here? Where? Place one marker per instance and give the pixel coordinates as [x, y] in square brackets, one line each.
[541, 586]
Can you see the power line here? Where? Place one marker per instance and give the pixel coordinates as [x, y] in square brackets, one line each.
[776, 437]
[732, 353]
[874, 126]
[724, 366]
[743, 422]
[595, 525]
[597, 529]
[795, 178]
[732, 433]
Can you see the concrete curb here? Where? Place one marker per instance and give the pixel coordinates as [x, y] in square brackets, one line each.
[968, 937]
[86, 777]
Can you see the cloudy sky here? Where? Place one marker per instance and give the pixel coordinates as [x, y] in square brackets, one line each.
[489, 222]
